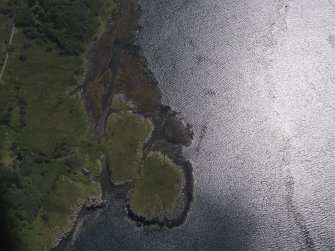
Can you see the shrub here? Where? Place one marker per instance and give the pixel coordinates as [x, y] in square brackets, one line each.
[23, 57]
[45, 217]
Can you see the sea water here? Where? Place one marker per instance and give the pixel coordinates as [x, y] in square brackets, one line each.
[256, 80]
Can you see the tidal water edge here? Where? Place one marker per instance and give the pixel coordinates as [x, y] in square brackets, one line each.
[255, 79]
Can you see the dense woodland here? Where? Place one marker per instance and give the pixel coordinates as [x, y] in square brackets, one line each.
[68, 23]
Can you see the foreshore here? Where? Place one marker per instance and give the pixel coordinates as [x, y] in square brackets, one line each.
[116, 66]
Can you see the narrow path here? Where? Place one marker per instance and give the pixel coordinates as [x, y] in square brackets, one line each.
[7, 54]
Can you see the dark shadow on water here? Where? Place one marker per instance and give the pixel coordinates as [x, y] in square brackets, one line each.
[223, 224]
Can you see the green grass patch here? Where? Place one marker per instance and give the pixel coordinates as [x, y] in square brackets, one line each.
[126, 132]
[157, 191]
[119, 104]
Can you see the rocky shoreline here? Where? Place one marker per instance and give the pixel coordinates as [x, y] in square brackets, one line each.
[116, 66]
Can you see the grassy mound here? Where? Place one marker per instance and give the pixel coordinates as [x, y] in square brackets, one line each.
[126, 132]
[157, 191]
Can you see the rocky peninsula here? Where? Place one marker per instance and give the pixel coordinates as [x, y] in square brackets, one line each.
[119, 86]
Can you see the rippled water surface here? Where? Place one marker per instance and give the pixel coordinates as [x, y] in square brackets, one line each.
[255, 78]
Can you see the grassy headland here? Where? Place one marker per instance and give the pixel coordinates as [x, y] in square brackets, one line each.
[157, 190]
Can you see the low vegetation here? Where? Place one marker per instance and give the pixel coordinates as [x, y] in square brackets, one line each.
[119, 104]
[126, 132]
[45, 137]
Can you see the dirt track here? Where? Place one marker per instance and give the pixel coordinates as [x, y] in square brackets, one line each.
[7, 54]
